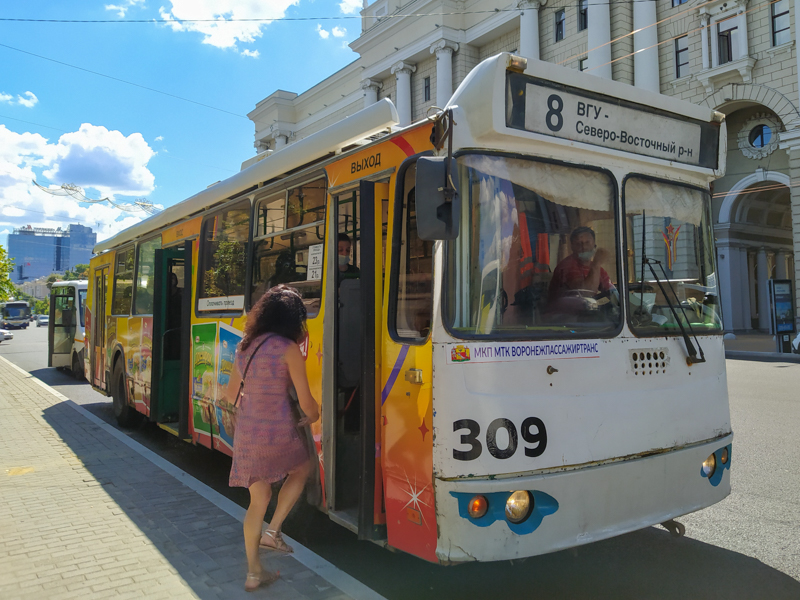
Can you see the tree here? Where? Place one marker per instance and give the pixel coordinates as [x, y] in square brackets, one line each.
[51, 279]
[7, 288]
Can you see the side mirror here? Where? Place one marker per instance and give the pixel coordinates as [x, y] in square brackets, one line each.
[438, 217]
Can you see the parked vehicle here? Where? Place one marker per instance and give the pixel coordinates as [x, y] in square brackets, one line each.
[6, 335]
[43, 320]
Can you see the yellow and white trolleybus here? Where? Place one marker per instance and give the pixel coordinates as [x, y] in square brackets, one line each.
[514, 326]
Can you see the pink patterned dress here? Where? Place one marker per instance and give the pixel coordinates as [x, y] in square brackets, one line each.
[266, 444]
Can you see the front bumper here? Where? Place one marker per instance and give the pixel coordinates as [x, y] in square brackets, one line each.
[587, 505]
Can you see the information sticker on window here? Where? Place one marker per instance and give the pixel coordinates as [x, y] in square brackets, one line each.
[314, 262]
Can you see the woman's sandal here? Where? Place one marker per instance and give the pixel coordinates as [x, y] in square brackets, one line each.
[257, 580]
[275, 542]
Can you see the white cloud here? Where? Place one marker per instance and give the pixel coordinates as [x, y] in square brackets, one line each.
[339, 32]
[251, 53]
[350, 7]
[324, 34]
[104, 163]
[159, 139]
[123, 8]
[28, 99]
[222, 32]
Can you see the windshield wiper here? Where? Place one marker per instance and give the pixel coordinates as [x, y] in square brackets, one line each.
[692, 358]
[690, 349]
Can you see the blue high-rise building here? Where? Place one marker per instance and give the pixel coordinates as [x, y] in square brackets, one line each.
[37, 251]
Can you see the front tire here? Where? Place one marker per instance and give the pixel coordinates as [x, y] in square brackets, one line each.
[125, 414]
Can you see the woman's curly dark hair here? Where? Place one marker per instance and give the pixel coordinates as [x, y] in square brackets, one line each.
[280, 310]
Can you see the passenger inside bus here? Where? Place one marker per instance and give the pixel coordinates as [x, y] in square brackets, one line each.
[346, 269]
[580, 275]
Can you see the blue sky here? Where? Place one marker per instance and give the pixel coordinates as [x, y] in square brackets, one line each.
[62, 125]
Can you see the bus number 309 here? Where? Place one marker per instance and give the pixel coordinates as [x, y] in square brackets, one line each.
[533, 432]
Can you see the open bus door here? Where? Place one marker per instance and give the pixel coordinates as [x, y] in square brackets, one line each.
[97, 362]
[168, 402]
[62, 327]
[354, 489]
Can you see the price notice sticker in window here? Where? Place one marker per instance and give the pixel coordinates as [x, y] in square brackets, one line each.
[314, 262]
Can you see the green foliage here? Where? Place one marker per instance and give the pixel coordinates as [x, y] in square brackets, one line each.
[51, 279]
[226, 276]
[7, 288]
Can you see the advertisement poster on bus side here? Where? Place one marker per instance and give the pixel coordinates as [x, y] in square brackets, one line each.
[229, 338]
[204, 360]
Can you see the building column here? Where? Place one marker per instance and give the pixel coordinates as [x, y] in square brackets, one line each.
[402, 71]
[371, 88]
[529, 27]
[704, 41]
[444, 70]
[599, 39]
[751, 289]
[727, 273]
[743, 291]
[281, 136]
[645, 46]
[744, 50]
[762, 275]
[780, 264]
[790, 141]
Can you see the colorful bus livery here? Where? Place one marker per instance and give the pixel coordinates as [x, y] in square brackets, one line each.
[16, 314]
[482, 292]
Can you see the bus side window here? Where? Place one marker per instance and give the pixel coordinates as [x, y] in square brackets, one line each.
[414, 264]
[145, 280]
[123, 283]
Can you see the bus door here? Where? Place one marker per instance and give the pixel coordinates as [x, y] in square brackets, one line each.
[98, 358]
[406, 376]
[168, 404]
[62, 326]
[356, 499]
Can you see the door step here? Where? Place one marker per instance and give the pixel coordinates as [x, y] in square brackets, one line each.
[170, 428]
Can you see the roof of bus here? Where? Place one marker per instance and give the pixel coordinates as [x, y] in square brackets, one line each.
[361, 125]
[74, 282]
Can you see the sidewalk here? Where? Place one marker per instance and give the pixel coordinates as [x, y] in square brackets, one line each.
[86, 512]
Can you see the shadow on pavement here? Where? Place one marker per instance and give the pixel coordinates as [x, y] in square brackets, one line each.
[645, 564]
[54, 377]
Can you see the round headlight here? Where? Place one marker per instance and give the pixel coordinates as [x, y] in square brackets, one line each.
[724, 456]
[478, 507]
[709, 466]
[519, 506]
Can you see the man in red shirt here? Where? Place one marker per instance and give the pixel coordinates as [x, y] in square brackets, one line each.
[580, 274]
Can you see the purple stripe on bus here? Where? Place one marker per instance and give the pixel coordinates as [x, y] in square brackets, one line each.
[393, 375]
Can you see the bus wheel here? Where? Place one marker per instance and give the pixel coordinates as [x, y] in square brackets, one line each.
[77, 367]
[675, 528]
[125, 414]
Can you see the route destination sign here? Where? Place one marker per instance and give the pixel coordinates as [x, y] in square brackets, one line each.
[541, 107]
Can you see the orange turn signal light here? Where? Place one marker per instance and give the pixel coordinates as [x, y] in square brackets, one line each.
[478, 506]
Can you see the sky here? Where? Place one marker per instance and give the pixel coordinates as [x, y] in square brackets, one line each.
[150, 111]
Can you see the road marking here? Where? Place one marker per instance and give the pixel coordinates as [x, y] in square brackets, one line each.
[331, 573]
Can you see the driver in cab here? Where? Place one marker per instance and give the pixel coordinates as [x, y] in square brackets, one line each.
[581, 275]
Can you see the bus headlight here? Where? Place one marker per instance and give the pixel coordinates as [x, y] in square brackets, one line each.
[478, 507]
[709, 466]
[519, 506]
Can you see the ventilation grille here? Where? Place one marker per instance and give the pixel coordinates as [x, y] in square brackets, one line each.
[649, 361]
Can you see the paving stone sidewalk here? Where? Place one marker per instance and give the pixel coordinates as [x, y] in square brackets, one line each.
[83, 515]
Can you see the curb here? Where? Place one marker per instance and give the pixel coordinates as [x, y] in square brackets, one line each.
[328, 571]
[762, 356]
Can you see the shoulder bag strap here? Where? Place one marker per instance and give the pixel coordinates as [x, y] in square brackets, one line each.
[246, 367]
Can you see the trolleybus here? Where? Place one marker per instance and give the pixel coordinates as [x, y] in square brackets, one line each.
[16, 314]
[513, 321]
[66, 326]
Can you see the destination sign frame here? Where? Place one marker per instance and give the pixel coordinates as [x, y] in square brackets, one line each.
[567, 113]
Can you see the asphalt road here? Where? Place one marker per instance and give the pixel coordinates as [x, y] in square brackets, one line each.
[747, 546]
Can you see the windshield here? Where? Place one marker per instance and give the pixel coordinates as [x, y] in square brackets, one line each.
[14, 311]
[677, 242]
[536, 256]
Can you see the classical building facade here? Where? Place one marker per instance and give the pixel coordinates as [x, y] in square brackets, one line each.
[736, 56]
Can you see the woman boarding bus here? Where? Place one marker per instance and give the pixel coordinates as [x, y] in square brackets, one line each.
[65, 335]
[521, 350]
